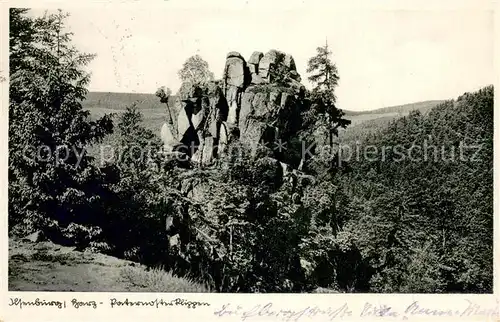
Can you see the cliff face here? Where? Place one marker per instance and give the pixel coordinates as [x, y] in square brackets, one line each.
[258, 101]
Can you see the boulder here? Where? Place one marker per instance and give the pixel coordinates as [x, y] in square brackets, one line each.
[256, 133]
[252, 133]
[168, 138]
[293, 74]
[205, 153]
[253, 69]
[212, 126]
[255, 58]
[260, 104]
[267, 63]
[35, 237]
[233, 96]
[209, 150]
[183, 119]
[223, 138]
[234, 54]
[234, 71]
[242, 108]
[246, 108]
[289, 62]
[257, 80]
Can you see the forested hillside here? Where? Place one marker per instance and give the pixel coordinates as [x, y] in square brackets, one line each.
[364, 123]
[423, 217]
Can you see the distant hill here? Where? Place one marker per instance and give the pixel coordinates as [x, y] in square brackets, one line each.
[405, 108]
[100, 103]
[119, 101]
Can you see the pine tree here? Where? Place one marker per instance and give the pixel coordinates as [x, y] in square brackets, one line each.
[52, 179]
[324, 76]
[21, 37]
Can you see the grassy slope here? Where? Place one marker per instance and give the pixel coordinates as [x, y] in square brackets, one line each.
[118, 101]
[44, 266]
[154, 112]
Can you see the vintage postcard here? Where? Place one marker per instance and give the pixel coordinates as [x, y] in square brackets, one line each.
[249, 160]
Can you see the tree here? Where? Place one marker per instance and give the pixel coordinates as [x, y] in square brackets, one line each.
[135, 212]
[194, 72]
[21, 37]
[325, 78]
[52, 179]
[325, 74]
[133, 135]
[321, 121]
[424, 223]
[164, 94]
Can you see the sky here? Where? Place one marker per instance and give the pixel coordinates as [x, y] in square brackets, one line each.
[385, 56]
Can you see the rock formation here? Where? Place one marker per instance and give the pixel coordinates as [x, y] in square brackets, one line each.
[257, 102]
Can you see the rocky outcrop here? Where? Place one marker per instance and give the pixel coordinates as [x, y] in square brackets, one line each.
[253, 67]
[267, 64]
[257, 102]
[234, 71]
[234, 81]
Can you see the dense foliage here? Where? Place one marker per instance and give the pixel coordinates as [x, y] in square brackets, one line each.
[423, 214]
[52, 181]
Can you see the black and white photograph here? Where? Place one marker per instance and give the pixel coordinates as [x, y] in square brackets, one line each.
[259, 150]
